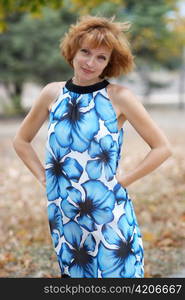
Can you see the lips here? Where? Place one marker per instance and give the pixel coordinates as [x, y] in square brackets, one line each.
[87, 71]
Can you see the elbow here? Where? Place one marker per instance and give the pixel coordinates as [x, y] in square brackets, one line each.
[165, 151]
[18, 146]
[168, 151]
[15, 142]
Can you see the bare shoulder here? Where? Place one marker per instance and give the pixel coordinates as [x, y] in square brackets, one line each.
[121, 93]
[51, 91]
[123, 98]
[135, 113]
[53, 87]
[39, 111]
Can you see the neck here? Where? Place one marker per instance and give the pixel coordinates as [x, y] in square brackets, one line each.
[78, 81]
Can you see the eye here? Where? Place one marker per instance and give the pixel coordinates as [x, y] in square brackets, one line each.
[84, 50]
[102, 57]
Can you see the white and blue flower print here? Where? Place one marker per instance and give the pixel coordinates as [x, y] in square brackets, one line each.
[77, 255]
[96, 207]
[59, 172]
[91, 216]
[120, 261]
[74, 118]
[105, 153]
[105, 112]
[121, 193]
[55, 222]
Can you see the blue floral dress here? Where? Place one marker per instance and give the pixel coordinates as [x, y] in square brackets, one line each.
[92, 221]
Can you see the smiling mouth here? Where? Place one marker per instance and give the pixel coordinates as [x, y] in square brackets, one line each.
[87, 71]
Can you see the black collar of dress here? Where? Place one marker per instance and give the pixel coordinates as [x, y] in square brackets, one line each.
[87, 88]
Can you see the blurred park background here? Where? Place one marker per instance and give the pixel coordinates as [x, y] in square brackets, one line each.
[30, 32]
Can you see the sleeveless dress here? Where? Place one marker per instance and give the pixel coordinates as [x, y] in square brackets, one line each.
[92, 221]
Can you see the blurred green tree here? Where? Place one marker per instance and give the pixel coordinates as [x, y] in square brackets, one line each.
[29, 48]
[30, 51]
[34, 7]
[155, 27]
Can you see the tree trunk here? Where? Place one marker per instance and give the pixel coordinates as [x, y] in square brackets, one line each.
[15, 92]
[182, 81]
[144, 73]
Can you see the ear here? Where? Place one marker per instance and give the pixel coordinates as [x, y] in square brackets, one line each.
[71, 62]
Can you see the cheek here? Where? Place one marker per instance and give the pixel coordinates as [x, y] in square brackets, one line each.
[103, 66]
[78, 61]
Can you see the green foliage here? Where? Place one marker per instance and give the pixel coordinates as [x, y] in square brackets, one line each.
[30, 48]
[30, 45]
[91, 6]
[151, 38]
[30, 51]
[152, 33]
[9, 7]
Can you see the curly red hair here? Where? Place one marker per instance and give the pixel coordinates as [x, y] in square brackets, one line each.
[100, 31]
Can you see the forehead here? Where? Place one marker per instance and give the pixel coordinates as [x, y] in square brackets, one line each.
[96, 49]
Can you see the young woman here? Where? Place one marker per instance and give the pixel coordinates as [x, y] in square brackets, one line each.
[93, 225]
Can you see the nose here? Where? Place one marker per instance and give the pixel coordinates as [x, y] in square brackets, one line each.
[90, 62]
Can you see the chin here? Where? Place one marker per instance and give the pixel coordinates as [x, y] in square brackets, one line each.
[87, 77]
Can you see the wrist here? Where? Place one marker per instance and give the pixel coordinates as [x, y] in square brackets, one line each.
[42, 180]
[123, 180]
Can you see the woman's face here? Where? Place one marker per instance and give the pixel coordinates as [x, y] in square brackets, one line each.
[89, 63]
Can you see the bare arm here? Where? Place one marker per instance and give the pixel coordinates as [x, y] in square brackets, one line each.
[29, 128]
[136, 114]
